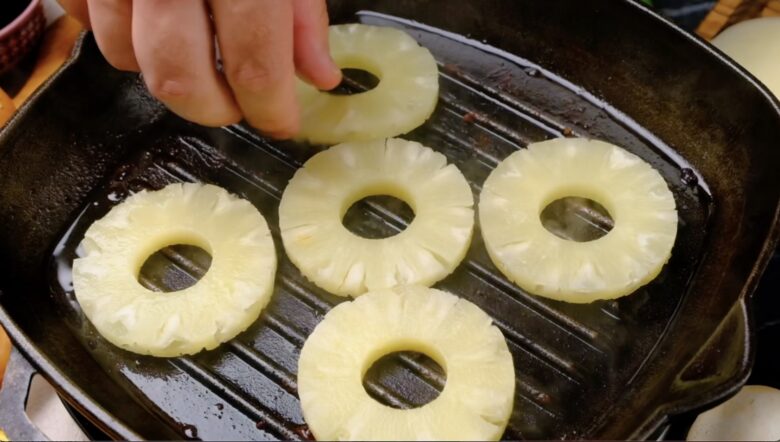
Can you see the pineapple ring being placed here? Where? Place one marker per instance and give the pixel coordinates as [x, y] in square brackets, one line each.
[478, 396]
[635, 195]
[314, 204]
[222, 304]
[405, 97]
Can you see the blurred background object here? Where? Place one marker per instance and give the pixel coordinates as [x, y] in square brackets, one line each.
[687, 14]
[755, 44]
[708, 18]
[5, 352]
[750, 415]
[7, 108]
[22, 24]
[55, 49]
[729, 12]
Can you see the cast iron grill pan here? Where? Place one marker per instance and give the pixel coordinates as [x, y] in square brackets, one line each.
[560, 351]
[576, 365]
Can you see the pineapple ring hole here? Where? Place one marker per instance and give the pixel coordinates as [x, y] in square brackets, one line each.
[391, 371]
[355, 81]
[358, 220]
[174, 268]
[577, 219]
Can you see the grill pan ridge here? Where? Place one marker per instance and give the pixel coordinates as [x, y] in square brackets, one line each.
[610, 369]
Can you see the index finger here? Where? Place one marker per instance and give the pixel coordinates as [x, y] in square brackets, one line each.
[256, 42]
[312, 55]
[174, 47]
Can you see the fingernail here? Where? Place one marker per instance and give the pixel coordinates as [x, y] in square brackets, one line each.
[335, 70]
[285, 134]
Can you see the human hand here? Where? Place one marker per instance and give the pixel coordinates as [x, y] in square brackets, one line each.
[262, 44]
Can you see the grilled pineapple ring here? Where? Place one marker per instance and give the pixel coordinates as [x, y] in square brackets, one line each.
[629, 256]
[405, 97]
[222, 304]
[316, 199]
[476, 401]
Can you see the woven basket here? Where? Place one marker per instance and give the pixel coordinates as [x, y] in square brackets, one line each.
[728, 12]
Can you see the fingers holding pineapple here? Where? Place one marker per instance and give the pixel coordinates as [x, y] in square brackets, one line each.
[405, 97]
[327, 253]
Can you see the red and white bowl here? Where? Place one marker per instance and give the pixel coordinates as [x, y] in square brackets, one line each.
[21, 35]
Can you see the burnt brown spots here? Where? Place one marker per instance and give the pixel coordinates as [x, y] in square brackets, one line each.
[469, 117]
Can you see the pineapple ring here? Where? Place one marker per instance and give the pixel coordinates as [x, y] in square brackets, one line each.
[223, 303]
[314, 203]
[405, 97]
[477, 399]
[629, 256]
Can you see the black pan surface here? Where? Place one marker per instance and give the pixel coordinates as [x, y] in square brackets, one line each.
[512, 72]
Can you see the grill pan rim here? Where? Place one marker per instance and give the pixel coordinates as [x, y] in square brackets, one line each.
[66, 388]
[744, 303]
[116, 428]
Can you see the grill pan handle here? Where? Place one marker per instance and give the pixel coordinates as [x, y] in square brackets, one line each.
[726, 356]
[13, 399]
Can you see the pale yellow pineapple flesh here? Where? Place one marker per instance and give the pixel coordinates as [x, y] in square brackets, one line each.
[327, 253]
[405, 97]
[223, 303]
[478, 395]
[635, 195]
